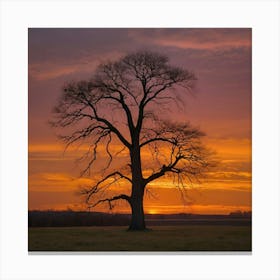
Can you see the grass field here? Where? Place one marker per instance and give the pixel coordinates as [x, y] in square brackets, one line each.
[160, 238]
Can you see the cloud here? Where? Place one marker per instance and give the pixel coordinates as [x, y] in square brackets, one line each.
[52, 190]
[48, 70]
[83, 66]
[233, 149]
[196, 38]
[230, 176]
[63, 52]
[55, 182]
[60, 52]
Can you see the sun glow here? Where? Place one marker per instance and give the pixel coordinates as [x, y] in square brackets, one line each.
[152, 211]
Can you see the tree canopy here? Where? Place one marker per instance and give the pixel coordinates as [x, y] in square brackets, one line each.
[123, 103]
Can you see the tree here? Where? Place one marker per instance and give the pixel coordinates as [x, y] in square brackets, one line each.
[121, 102]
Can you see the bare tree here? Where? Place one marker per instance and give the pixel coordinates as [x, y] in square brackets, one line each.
[120, 103]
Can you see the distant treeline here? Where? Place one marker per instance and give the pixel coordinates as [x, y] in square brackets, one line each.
[73, 218]
[241, 214]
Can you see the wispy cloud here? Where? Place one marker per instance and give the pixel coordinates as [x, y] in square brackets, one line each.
[56, 182]
[81, 66]
[198, 38]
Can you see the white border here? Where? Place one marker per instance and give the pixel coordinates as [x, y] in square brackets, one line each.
[262, 16]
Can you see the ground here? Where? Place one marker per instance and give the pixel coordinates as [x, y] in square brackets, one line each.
[159, 238]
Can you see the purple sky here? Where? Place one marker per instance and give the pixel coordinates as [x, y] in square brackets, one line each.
[220, 58]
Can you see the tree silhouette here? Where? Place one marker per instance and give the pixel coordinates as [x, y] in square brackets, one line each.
[121, 103]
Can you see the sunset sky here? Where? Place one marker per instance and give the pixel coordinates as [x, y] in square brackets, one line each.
[220, 106]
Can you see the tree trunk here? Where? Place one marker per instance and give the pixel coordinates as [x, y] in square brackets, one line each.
[137, 192]
[137, 212]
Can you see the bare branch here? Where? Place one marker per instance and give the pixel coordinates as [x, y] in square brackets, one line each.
[109, 200]
[117, 175]
[187, 157]
[157, 139]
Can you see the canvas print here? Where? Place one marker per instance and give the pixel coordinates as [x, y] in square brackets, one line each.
[139, 139]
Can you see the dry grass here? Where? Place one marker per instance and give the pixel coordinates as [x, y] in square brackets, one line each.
[160, 238]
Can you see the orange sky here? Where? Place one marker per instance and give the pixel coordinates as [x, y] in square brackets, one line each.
[221, 107]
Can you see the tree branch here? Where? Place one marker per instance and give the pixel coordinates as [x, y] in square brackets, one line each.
[171, 141]
[163, 170]
[96, 188]
[114, 130]
[109, 200]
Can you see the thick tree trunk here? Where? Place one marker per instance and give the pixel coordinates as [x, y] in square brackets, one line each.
[137, 192]
[137, 212]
